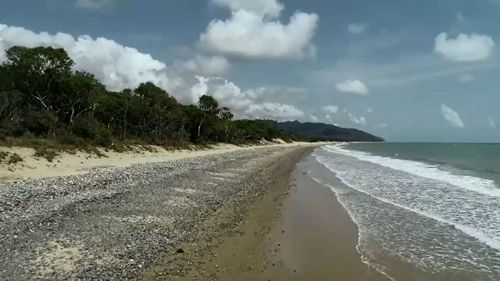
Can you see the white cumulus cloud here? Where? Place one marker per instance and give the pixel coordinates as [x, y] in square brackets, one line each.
[119, 67]
[255, 31]
[357, 120]
[352, 87]
[270, 8]
[356, 28]
[465, 47]
[330, 109]
[206, 65]
[275, 111]
[245, 104]
[116, 66]
[451, 116]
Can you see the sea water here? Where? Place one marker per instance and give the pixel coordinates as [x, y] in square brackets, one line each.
[424, 211]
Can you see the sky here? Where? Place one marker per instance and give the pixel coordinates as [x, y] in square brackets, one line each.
[405, 70]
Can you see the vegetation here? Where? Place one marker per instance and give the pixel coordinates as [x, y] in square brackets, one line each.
[43, 98]
[14, 159]
[10, 158]
[326, 132]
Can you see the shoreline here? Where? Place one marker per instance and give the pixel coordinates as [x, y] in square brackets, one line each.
[299, 231]
[151, 220]
[320, 238]
[239, 255]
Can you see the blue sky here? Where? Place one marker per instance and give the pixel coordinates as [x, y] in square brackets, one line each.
[406, 70]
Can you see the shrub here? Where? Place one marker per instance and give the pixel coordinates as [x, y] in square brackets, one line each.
[40, 123]
[103, 136]
[3, 156]
[45, 152]
[89, 128]
[14, 159]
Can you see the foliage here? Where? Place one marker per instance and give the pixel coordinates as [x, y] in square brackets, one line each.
[41, 95]
[45, 152]
[14, 159]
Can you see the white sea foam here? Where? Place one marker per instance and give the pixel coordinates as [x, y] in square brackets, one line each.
[465, 229]
[364, 258]
[466, 211]
[476, 184]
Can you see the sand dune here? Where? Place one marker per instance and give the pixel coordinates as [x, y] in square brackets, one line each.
[79, 163]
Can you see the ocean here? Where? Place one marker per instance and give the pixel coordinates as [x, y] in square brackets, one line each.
[424, 211]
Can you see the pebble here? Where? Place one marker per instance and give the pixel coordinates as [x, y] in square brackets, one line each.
[112, 223]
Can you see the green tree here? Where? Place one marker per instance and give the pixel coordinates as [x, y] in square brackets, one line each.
[35, 71]
[209, 108]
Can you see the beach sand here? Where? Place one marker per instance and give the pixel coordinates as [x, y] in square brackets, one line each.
[230, 214]
[154, 221]
[66, 164]
[298, 231]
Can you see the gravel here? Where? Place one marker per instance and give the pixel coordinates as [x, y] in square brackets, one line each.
[113, 223]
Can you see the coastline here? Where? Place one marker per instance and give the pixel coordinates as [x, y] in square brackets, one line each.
[144, 221]
[80, 162]
[247, 214]
[316, 239]
[297, 231]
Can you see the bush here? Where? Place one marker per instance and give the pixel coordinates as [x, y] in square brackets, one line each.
[70, 139]
[40, 123]
[89, 128]
[14, 159]
[3, 155]
[103, 136]
[85, 127]
[45, 152]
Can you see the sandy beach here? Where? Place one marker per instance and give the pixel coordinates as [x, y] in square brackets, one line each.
[153, 221]
[298, 231]
[232, 213]
[80, 162]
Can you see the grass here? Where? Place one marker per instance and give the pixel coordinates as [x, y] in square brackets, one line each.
[3, 156]
[46, 152]
[51, 148]
[10, 159]
[14, 159]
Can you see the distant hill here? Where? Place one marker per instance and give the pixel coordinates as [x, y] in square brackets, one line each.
[326, 132]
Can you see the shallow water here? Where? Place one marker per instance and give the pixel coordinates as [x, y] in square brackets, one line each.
[418, 220]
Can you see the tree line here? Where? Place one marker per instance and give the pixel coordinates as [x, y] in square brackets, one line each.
[42, 96]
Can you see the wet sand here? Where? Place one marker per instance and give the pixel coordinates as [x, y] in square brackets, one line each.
[315, 239]
[297, 231]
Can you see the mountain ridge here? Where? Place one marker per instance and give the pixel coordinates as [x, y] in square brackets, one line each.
[326, 132]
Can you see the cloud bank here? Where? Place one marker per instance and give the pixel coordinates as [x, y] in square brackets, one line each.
[268, 8]
[249, 104]
[206, 65]
[119, 67]
[116, 66]
[254, 31]
[464, 48]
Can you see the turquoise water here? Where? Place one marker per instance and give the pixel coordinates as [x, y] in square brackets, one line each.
[482, 160]
[424, 211]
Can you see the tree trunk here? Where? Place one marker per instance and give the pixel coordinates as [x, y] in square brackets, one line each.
[199, 128]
